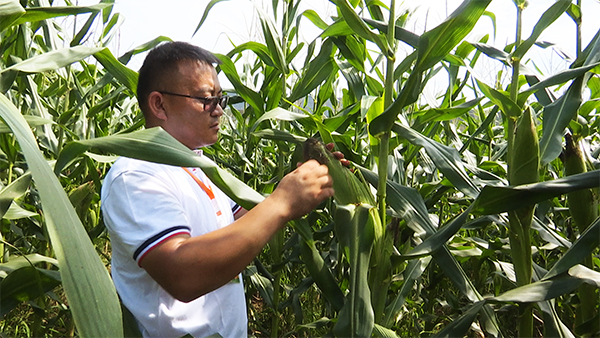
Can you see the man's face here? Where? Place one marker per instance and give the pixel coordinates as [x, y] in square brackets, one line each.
[191, 121]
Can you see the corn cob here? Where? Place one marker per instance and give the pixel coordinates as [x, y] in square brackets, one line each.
[583, 206]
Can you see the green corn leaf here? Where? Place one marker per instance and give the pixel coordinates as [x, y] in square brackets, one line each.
[121, 72]
[409, 94]
[156, 145]
[262, 284]
[273, 42]
[357, 24]
[25, 284]
[316, 266]
[13, 14]
[446, 159]
[555, 79]
[10, 7]
[355, 230]
[556, 118]
[550, 288]
[494, 200]
[84, 30]
[84, 277]
[258, 48]
[553, 325]
[17, 262]
[125, 58]
[411, 274]
[409, 205]
[446, 114]
[279, 135]
[437, 240]
[583, 247]
[251, 97]
[400, 33]
[383, 332]
[33, 14]
[460, 326]
[14, 190]
[493, 52]
[53, 60]
[406, 202]
[318, 70]
[549, 16]
[209, 6]
[315, 19]
[508, 106]
[435, 44]
[278, 114]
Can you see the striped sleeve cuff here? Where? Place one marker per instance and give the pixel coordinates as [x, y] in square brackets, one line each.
[157, 239]
[236, 208]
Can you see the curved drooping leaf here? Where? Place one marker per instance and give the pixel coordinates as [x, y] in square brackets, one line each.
[446, 159]
[156, 145]
[18, 262]
[209, 6]
[124, 74]
[278, 114]
[550, 288]
[53, 60]
[449, 113]
[383, 332]
[124, 59]
[16, 16]
[258, 48]
[494, 199]
[279, 135]
[434, 46]
[314, 18]
[84, 277]
[42, 13]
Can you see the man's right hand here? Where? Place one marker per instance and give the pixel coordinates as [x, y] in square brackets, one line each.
[303, 189]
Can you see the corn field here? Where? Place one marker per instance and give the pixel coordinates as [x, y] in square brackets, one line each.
[475, 214]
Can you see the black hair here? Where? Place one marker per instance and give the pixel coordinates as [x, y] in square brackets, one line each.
[162, 61]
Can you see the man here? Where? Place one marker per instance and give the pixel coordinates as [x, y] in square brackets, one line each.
[179, 244]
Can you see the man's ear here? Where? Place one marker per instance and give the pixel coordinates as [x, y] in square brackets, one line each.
[156, 106]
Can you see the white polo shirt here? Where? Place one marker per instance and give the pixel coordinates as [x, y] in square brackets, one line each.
[144, 204]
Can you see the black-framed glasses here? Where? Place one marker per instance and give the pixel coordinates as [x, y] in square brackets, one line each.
[207, 100]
